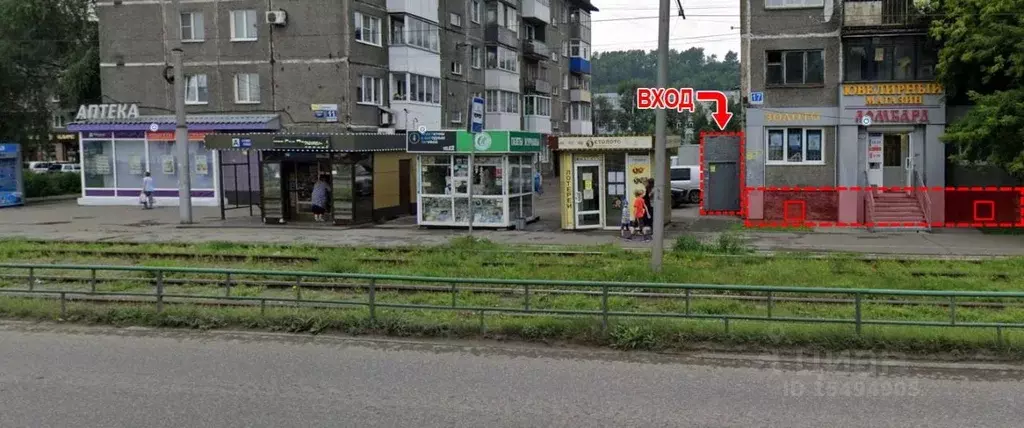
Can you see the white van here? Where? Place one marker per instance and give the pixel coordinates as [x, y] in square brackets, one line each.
[38, 167]
[685, 184]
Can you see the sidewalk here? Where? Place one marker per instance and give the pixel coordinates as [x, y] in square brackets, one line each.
[67, 221]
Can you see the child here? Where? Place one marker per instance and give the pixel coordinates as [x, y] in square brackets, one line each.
[624, 225]
[639, 211]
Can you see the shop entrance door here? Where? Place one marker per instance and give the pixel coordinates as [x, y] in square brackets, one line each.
[897, 161]
[301, 177]
[587, 188]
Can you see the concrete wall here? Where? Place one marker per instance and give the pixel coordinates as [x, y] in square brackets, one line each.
[386, 189]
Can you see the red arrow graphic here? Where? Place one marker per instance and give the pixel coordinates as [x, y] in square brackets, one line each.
[721, 115]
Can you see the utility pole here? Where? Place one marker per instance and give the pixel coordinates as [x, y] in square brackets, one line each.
[181, 129]
[467, 22]
[660, 139]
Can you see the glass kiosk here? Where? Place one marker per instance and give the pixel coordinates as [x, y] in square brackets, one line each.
[12, 186]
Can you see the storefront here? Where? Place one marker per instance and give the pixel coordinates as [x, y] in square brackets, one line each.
[370, 175]
[64, 147]
[117, 151]
[890, 139]
[598, 174]
[503, 167]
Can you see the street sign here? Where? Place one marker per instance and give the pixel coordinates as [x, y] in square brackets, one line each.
[476, 111]
[429, 142]
[756, 98]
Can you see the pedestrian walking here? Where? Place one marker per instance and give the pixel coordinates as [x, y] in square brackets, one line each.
[537, 183]
[146, 197]
[648, 202]
[320, 191]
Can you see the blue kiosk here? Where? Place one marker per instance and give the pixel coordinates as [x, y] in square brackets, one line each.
[12, 185]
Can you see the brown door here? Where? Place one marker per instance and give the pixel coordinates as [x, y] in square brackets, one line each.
[404, 189]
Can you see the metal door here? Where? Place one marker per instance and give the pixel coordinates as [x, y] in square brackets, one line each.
[721, 173]
[587, 187]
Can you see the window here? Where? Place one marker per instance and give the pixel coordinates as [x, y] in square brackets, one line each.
[416, 32]
[537, 106]
[192, 29]
[455, 19]
[196, 91]
[795, 146]
[580, 82]
[367, 29]
[794, 68]
[57, 120]
[565, 48]
[680, 174]
[889, 59]
[502, 58]
[503, 15]
[565, 81]
[581, 111]
[581, 17]
[475, 12]
[502, 102]
[399, 85]
[565, 114]
[477, 56]
[370, 90]
[422, 89]
[792, 4]
[456, 116]
[456, 68]
[554, 16]
[247, 88]
[243, 25]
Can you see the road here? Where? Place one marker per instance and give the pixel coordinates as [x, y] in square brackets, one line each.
[58, 376]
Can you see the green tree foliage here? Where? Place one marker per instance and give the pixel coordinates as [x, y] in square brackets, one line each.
[47, 48]
[689, 68]
[982, 55]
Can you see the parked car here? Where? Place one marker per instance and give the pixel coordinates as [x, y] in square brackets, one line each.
[685, 184]
[65, 167]
[38, 167]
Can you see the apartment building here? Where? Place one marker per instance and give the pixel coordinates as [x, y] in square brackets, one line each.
[842, 95]
[356, 65]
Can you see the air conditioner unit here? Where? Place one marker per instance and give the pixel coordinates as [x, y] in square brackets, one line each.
[277, 17]
[386, 119]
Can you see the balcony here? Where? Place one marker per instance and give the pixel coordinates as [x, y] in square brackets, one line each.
[423, 8]
[536, 11]
[498, 34]
[578, 30]
[579, 65]
[536, 49]
[536, 83]
[540, 124]
[579, 95]
[885, 16]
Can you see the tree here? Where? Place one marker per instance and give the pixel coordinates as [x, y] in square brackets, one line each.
[604, 115]
[689, 68]
[631, 119]
[981, 56]
[47, 48]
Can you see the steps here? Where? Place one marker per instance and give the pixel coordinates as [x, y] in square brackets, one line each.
[898, 211]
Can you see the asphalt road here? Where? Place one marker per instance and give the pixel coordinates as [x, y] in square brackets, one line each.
[54, 376]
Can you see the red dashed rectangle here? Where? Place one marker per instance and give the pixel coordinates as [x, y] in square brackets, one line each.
[857, 206]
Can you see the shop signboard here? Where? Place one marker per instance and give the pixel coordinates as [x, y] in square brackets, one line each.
[524, 141]
[430, 142]
[169, 136]
[638, 171]
[318, 143]
[606, 143]
[107, 112]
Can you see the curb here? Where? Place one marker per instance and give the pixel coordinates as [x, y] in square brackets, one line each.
[42, 199]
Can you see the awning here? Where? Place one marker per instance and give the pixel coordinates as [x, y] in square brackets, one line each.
[196, 122]
[340, 142]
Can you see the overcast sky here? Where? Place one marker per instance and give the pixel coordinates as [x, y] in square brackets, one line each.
[633, 24]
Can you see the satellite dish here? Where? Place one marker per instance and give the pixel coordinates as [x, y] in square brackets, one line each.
[866, 121]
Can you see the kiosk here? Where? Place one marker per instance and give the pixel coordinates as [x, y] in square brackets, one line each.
[598, 174]
[371, 176]
[12, 183]
[503, 162]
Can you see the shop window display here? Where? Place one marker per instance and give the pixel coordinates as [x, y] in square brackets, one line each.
[162, 164]
[131, 163]
[616, 190]
[202, 161]
[273, 206]
[496, 180]
[437, 209]
[489, 211]
[436, 175]
[99, 163]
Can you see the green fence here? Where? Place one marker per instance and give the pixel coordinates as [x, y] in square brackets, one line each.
[370, 285]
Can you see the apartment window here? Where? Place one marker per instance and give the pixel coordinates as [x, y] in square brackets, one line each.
[422, 89]
[579, 49]
[192, 29]
[399, 84]
[415, 32]
[370, 90]
[565, 14]
[554, 17]
[787, 146]
[502, 58]
[456, 116]
[794, 68]
[554, 56]
[475, 12]
[581, 82]
[196, 91]
[247, 88]
[565, 81]
[565, 48]
[477, 56]
[456, 68]
[243, 25]
[455, 19]
[537, 106]
[565, 114]
[502, 102]
[57, 120]
[792, 4]
[581, 111]
[367, 29]
[889, 59]
[580, 17]
[503, 15]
